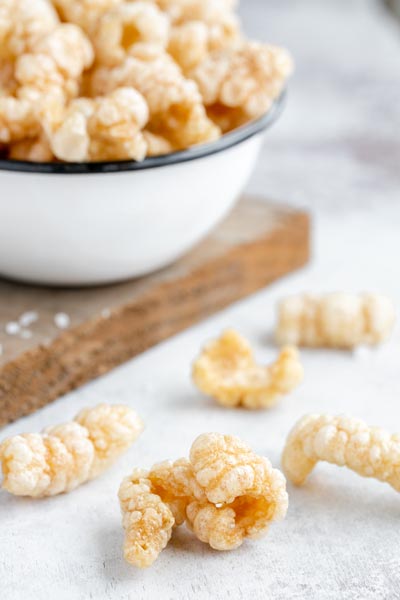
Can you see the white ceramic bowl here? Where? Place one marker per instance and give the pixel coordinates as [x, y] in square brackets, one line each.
[92, 223]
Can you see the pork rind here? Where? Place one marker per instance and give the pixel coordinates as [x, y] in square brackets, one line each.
[55, 66]
[18, 120]
[147, 520]
[191, 42]
[105, 128]
[85, 13]
[33, 150]
[335, 320]
[157, 145]
[176, 110]
[65, 456]
[244, 493]
[343, 441]
[241, 83]
[22, 24]
[127, 25]
[210, 11]
[226, 370]
[225, 493]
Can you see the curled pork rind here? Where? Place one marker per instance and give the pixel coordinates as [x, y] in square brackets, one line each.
[120, 29]
[104, 128]
[344, 441]
[65, 456]
[244, 493]
[241, 83]
[176, 109]
[226, 370]
[23, 23]
[147, 520]
[335, 320]
[224, 493]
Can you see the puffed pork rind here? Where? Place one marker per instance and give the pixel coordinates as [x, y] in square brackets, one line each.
[104, 128]
[226, 370]
[240, 84]
[122, 28]
[176, 110]
[23, 23]
[343, 441]
[65, 456]
[244, 493]
[147, 520]
[224, 493]
[335, 320]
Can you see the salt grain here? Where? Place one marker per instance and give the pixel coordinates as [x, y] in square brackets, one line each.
[62, 320]
[27, 318]
[12, 328]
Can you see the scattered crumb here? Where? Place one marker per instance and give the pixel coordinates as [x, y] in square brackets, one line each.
[62, 320]
[12, 328]
[28, 318]
[106, 313]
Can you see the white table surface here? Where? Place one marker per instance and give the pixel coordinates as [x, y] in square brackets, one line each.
[336, 151]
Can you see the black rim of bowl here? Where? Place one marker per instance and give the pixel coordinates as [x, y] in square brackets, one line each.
[227, 141]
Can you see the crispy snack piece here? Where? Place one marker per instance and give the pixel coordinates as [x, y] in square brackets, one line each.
[85, 13]
[226, 370]
[121, 29]
[335, 320]
[156, 144]
[65, 456]
[55, 65]
[210, 11]
[240, 83]
[23, 23]
[147, 520]
[176, 110]
[344, 441]
[33, 150]
[244, 493]
[225, 493]
[191, 42]
[104, 128]
[18, 120]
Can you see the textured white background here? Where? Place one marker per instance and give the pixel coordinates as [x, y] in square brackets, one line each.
[337, 151]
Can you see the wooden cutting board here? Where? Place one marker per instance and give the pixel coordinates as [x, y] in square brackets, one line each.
[106, 326]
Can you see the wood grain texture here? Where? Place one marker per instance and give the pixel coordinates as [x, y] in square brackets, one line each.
[257, 244]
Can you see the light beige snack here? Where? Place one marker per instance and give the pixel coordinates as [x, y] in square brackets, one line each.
[33, 150]
[225, 493]
[335, 320]
[18, 120]
[55, 65]
[344, 441]
[210, 11]
[121, 29]
[244, 493]
[85, 13]
[65, 456]
[176, 109]
[104, 128]
[191, 42]
[226, 370]
[240, 83]
[23, 23]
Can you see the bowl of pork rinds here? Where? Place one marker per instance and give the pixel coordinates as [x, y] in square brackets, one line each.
[128, 128]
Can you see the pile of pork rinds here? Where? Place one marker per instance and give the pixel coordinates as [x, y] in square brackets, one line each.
[95, 80]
